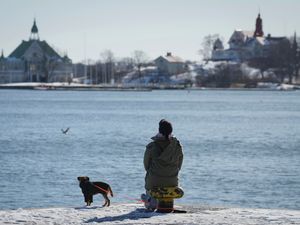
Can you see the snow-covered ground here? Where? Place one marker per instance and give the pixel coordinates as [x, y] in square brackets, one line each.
[135, 214]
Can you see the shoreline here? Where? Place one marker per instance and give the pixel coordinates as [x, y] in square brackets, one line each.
[135, 214]
[88, 87]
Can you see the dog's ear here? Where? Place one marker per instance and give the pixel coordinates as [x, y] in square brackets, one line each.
[81, 178]
[84, 178]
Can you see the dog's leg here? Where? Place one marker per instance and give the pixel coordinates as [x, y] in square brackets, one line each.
[88, 199]
[107, 201]
[91, 199]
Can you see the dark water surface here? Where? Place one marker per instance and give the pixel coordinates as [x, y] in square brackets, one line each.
[242, 148]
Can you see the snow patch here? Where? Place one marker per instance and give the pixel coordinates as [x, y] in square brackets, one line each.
[136, 214]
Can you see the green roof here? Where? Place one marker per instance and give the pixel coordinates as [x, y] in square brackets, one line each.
[22, 48]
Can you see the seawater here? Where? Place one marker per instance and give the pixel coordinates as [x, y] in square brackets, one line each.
[241, 148]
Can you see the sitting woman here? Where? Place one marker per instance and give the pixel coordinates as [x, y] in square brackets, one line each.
[162, 161]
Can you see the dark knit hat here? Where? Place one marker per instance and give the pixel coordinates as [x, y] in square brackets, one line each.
[165, 128]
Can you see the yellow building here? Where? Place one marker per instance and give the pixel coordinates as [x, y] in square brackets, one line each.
[170, 64]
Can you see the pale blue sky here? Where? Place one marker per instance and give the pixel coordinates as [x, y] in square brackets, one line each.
[154, 26]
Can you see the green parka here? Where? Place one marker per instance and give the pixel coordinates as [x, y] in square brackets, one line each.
[162, 162]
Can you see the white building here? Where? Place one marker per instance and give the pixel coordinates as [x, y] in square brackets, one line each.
[245, 45]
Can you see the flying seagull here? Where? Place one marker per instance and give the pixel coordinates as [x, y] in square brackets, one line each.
[65, 131]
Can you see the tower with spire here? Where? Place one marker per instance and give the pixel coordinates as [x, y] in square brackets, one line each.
[295, 44]
[34, 32]
[258, 27]
[295, 57]
[2, 62]
[247, 46]
[2, 55]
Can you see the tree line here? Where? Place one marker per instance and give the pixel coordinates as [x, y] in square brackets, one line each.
[108, 69]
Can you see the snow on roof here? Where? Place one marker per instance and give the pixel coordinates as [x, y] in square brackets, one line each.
[171, 58]
[260, 40]
[248, 33]
[241, 34]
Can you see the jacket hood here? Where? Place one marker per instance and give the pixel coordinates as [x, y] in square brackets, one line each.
[160, 137]
[169, 148]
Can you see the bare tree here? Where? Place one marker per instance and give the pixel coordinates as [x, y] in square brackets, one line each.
[140, 58]
[280, 57]
[128, 62]
[48, 65]
[261, 63]
[295, 56]
[108, 56]
[207, 45]
[108, 70]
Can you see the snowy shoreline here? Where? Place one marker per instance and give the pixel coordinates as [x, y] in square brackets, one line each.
[119, 87]
[135, 214]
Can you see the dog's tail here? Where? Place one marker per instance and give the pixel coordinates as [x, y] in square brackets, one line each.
[110, 191]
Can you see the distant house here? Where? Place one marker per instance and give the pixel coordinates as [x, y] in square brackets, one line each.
[170, 64]
[34, 61]
[246, 45]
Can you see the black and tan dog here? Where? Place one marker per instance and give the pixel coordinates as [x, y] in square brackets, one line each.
[91, 188]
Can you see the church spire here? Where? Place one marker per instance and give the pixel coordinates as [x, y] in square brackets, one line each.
[2, 54]
[295, 38]
[258, 27]
[295, 44]
[34, 32]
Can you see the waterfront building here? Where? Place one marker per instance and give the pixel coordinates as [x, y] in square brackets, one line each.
[170, 64]
[246, 45]
[34, 61]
